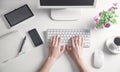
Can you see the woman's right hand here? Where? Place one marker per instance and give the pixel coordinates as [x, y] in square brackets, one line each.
[75, 51]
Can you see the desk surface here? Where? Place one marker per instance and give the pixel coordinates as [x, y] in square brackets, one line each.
[31, 62]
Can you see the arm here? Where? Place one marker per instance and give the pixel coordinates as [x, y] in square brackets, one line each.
[55, 51]
[75, 52]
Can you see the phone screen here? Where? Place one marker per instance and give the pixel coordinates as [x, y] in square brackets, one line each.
[35, 37]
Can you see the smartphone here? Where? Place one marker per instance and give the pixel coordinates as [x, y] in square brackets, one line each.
[35, 37]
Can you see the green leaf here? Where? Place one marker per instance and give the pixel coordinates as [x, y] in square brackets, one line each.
[113, 21]
[113, 12]
[116, 16]
[99, 26]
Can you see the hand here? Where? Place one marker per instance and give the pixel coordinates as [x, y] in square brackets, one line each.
[75, 51]
[55, 50]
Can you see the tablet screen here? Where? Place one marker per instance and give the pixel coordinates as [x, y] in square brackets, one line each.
[18, 15]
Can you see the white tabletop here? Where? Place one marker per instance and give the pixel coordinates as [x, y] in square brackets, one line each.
[31, 62]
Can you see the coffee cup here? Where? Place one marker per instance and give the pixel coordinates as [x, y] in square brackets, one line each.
[116, 42]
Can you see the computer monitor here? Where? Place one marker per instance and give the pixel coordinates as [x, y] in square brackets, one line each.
[59, 11]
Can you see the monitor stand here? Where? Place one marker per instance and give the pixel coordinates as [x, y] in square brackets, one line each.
[65, 14]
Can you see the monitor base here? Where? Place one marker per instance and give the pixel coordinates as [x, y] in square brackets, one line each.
[65, 14]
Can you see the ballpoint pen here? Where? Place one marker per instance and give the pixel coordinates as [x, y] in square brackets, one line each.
[23, 42]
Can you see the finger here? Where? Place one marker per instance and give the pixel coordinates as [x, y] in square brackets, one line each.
[56, 40]
[76, 41]
[59, 41]
[62, 49]
[50, 42]
[73, 43]
[81, 42]
[68, 50]
[50, 45]
[53, 41]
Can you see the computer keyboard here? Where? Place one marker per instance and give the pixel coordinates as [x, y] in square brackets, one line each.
[66, 34]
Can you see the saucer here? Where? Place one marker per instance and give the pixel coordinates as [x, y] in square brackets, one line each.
[110, 47]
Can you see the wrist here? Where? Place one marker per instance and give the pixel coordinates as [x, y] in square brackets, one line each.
[51, 59]
[47, 65]
[80, 65]
[79, 61]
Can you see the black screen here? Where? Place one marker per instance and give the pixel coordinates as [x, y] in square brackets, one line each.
[18, 15]
[66, 2]
[35, 37]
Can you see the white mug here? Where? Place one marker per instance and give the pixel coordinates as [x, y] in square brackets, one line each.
[114, 44]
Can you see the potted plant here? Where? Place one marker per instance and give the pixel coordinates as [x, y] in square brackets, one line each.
[105, 18]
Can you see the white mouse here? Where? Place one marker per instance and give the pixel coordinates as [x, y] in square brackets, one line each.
[98, 59]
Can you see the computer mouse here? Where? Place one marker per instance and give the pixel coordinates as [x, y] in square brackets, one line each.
[98, 59]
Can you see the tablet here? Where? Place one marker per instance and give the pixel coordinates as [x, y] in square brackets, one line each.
[18, 15]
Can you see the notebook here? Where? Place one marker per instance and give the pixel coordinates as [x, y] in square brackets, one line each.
[9, 45]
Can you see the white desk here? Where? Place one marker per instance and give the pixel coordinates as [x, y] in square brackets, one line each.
[32, 61]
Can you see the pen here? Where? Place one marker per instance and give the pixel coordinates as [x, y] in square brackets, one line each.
[23, 42]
